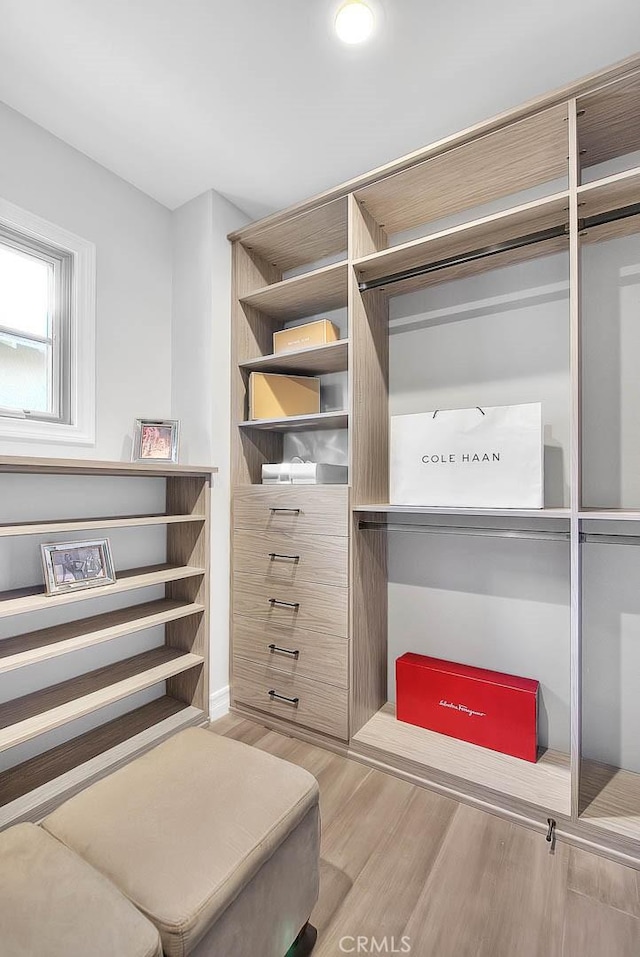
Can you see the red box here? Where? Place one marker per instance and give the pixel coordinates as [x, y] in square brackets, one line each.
[484, 707]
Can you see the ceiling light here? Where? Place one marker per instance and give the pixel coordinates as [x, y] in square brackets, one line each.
[354, 22]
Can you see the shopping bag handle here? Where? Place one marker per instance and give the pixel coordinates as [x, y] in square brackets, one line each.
[482, 412]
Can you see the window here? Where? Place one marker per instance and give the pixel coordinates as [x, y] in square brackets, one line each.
[34, 326]
[47, 331]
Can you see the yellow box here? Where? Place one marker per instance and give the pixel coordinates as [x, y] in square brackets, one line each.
[317, 333]
[274, 396]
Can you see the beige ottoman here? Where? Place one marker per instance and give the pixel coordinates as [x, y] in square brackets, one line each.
[217, 843]
[52, 904]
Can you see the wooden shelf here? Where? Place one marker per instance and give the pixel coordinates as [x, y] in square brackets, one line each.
[603, 195]
[544, 513]
[503, 162]
[34, 714]
[609, 121]
[88, 524]
[318, 360]
[546, 784]
[31, 464]
[610, 798]
[459, 240]
[610, 514]
[300, 423]
[22, 600]
[318, 291]
[62, 639]
[32, 790]
[304, 238]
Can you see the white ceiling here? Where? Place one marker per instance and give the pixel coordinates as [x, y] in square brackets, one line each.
[258, 99]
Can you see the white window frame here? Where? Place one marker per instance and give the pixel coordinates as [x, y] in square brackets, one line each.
[79, 365]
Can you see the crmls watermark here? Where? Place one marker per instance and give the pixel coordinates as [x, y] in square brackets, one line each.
[375, 945]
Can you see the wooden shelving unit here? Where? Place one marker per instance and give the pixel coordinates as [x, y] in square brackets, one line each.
[72, 636]
[95, 524]
[317, 360]
[552, 145]
[516, 513]
[300, 423]
[34, 598]
[29, 788]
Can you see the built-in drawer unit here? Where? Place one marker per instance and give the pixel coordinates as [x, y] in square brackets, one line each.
[294, 652]
[313, 704]
[308, 510]
[291, 557]
[305, 605]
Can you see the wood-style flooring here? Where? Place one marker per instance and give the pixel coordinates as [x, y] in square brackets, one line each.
[399, 861]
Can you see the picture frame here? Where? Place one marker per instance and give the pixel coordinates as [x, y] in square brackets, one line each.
[156, 440]
[74, 566]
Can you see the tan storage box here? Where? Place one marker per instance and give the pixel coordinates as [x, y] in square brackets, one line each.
[274, 396]
[311, 334]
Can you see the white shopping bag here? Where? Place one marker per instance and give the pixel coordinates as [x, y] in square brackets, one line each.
[469, 458]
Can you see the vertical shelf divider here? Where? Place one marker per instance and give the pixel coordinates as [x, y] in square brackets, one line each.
[575, 458]
[369, 472]
[188, 544]
[251, 336]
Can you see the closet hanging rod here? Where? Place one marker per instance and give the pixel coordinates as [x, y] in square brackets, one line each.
[479, 531]
[602, 538]
[485, 252]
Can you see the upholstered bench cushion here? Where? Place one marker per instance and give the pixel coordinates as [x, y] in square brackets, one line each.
[53, 904]
[184, 828]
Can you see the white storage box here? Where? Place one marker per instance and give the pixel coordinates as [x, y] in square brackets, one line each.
[304, 473]
[469, 458]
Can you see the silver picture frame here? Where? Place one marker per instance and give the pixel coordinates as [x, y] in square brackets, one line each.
[74, 566]
[156, 440]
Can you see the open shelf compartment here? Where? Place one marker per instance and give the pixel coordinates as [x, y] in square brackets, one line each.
[511, 159]
[545, 784]
[322, 290]
[41, 711]
[445, 252]
[35, 787]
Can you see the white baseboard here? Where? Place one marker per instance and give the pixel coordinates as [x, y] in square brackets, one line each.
[219, 704]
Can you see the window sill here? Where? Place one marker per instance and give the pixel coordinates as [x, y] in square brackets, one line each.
[34, 430]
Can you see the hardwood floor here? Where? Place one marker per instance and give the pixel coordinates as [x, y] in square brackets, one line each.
[446, 880]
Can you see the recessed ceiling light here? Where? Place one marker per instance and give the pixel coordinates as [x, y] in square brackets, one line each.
[354, 22]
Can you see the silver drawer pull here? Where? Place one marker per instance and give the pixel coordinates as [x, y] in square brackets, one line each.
[288, 558]
[283, 697]
[284, 651]
[284, 604]
[292, 511]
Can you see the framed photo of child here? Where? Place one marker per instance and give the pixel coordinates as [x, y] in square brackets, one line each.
[156, 440]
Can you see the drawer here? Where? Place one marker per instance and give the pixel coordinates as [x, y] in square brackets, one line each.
[319, 706]
[294, 652]
[290, 557]
[312, 510]
[310, 606]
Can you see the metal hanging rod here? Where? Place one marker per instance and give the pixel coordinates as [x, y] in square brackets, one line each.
[485, 252]
[479, 531]
[602, 538]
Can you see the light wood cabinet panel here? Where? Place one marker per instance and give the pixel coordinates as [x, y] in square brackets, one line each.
[314, 510]
[290, 557]
[322, 608]
[295, 652]
[315, 705]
